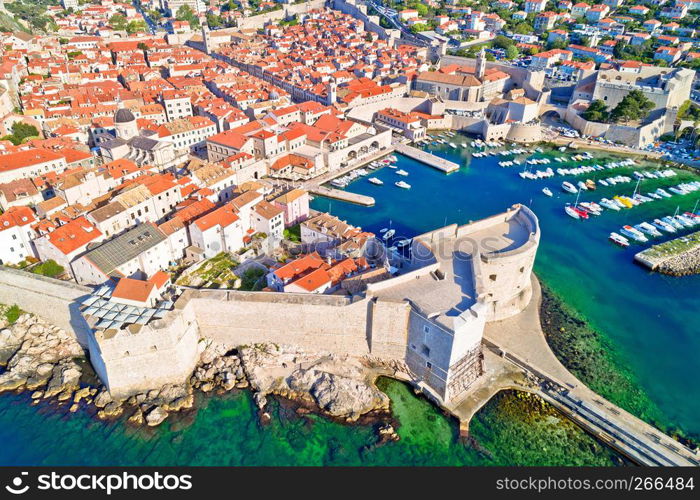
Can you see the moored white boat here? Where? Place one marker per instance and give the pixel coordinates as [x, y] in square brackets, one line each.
[403, 185]
[633, 233]
[376, 181]
[547, 192]
[619, 239]
[569, 188]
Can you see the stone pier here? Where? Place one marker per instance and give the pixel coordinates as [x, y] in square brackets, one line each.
[427, 158]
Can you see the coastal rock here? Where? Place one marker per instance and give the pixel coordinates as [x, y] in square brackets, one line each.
[340, 386]
[137, 417]
[103, 398]
[387, 433]
[65, 376]
[260, 400]
[156, 416]
[38, 354]
[111, 410]
[337, 395]
[80, 394]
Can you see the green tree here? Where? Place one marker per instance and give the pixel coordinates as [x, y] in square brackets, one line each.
[619, 50]
[214, 21]
[155, 15]
[421, 8]
[558, 44]
[20, 132]
[417, 28]
[185, 13]
[49, 268]
[523, 28]
[118, 22]
[596, 112]
[512, 52]
[136, 26]
[634, 106]
[503, 42]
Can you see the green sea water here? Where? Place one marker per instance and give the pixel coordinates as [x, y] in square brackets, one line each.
[226, 431]
[646, 321]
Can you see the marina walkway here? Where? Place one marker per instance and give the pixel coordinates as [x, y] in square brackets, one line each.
[427, 158]
[517, 356]
[339, 194]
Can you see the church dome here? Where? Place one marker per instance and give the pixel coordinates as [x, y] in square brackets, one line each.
[123, 115]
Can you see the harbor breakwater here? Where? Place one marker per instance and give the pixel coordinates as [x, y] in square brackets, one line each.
[677, 257]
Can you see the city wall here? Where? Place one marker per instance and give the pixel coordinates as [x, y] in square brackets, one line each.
[371, 23]
[54, 300]
[357, 326]
[259, 21]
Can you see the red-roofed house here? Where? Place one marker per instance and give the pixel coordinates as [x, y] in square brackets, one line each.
[65, 243]
[30, 163]
[141, 293]
[218, 231]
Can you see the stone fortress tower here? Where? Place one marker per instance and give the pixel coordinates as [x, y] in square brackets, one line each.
[430, 317]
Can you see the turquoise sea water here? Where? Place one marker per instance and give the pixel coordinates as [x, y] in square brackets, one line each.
[649, 319]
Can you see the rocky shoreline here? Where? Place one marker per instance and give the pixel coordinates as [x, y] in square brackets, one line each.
[43, 359]
[685, 264]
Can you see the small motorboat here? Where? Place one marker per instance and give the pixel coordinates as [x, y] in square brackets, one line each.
[569, 188]
[402, 185]
[619, 240]
[547, 192]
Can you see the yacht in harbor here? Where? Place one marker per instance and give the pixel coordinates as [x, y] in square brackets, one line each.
[401, 172]
[569, 188]
[664, 226]
[673, 222]
[388, 234]
[633, 233]
[547, 192]
[649, 229]
[376, 181]
[609, 204]
[575, 213]
[402, 184]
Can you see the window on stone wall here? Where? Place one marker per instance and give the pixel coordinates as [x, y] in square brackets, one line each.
[492, 277]
[429, 365]
[425, 350]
